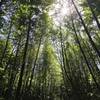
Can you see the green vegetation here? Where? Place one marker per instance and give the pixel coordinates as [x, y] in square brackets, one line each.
[40, 60]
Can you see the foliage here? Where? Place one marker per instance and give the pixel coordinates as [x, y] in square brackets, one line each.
[42, 61]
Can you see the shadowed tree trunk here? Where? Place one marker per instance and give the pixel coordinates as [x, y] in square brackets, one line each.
[88, 65]
[6, 45]
[32, 73]
[93, 13]
[18, 91]
[13, 71]
[86, 30]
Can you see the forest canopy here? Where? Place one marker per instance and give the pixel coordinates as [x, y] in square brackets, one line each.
[49, 49]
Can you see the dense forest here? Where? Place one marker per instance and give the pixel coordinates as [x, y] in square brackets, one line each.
[47, 53]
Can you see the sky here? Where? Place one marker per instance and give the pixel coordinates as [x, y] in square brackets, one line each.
[59, 10]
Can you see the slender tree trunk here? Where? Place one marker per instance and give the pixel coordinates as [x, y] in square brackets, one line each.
[13, 72]
[86, 30]
[0, 6]
[6, 45]
[88, 65]
[32, 73]
[18, 91]
[94, 15]
[91, 56]
[65, 71]
[9, 60]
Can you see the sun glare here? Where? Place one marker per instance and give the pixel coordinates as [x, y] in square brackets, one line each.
[59, 10]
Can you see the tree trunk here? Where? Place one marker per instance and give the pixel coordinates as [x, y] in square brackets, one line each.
[87, 63]
[94, 15]
[86, 30]
[18, 91]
